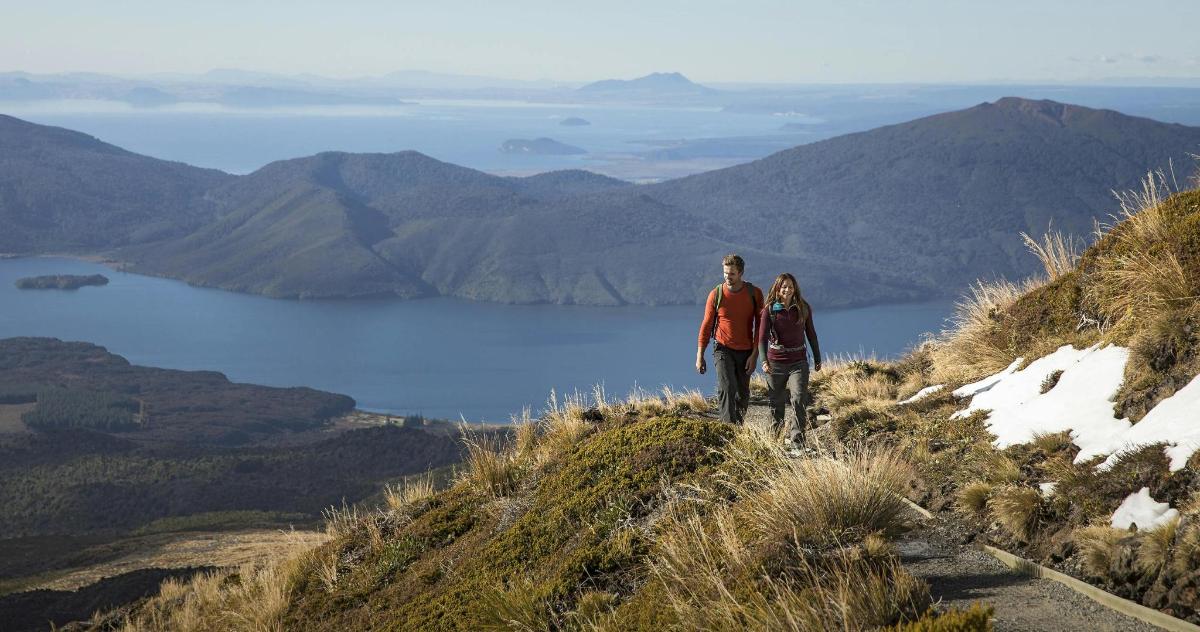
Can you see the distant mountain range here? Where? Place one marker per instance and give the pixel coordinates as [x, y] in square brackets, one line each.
[903, 212]
[655, 84]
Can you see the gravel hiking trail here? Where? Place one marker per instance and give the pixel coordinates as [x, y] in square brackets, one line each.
[960, 574]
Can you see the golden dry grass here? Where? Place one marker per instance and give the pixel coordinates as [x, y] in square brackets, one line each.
[969, 349]
[340, 523]
[686, 400]
[852, 384]
[709, 578]
[408, 492]
[973, 497]
[1186, 555]
[252, 598]
[1141, 278]
[1058, 253]
[525, 435]
[1098, 545]
[825, 500]
[490, 467]
[1016, 510]
[1155, 549]
[759, 387]
[824, 521]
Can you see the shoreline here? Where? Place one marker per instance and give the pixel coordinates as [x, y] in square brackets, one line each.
[118, 265]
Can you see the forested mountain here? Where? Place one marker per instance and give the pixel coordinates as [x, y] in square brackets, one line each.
[65, 191]
[903, 212]
[943, 198]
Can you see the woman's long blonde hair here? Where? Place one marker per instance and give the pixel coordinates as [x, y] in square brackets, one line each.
[796, 301]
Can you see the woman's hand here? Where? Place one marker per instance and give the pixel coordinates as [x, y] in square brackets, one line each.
[766, 366]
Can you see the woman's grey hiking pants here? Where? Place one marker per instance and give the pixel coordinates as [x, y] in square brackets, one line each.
[733, 383]
[789, 384]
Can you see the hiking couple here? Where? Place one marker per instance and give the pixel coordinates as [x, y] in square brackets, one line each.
[747, 328]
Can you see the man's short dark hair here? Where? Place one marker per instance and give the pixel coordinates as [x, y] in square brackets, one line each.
[735, 261]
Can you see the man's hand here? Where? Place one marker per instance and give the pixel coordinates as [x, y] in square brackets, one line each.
[751, 362]
[701, 366]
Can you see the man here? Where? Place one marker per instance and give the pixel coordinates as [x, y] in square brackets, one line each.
[731, 317]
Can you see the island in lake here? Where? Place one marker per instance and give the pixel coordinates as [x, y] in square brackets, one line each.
[61, 281]
[574, 121]
[540, 147]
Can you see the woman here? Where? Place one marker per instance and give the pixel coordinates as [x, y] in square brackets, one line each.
[783, 326]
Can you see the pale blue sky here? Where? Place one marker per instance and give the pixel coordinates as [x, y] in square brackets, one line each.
[708, 40]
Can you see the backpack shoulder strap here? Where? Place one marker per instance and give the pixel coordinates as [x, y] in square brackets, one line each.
[716, 310]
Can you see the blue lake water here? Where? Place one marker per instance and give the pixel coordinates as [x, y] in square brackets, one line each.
[438, 357]
[467, 133]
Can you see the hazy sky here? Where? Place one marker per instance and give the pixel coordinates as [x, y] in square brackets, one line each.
[708, 40]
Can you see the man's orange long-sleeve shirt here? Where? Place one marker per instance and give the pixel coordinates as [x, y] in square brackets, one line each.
[737, 320]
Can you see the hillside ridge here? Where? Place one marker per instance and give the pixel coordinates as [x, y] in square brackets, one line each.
[904, 212]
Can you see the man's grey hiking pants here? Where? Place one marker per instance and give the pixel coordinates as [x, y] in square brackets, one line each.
[733, 383]
[789, 384]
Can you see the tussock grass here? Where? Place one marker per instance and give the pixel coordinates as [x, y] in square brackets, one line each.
[1052, 442]
[977, 618]
[855, 385]
[1099, 546]
[518, 606]
[759, 387]
[973, 497]
[490, 468]
[1155, 547]
[251, 598]
[1016, 510]
[685, 400]
[709, 591]
[525, 433]
[1058, 253]
[827, 500]
[340, 523]
[1140, 276]
[563, 424]
[1001, 469]
[408, 492]
[972, 346]
[802, 547]
[1186, 555]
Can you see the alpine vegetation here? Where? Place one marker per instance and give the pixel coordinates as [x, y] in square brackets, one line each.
[1057, 416]
[644, 513]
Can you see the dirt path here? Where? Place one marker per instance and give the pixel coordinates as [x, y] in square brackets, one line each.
[959, 575]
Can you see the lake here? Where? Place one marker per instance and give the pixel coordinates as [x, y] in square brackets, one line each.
[440, 357]
[467, 133]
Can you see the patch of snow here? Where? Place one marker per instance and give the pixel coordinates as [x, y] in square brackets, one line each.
[923, 393]
[1081, 401]
[986, 383]
[1140, 509]
[1047, 489]
[1175, 420]
[1013, 388]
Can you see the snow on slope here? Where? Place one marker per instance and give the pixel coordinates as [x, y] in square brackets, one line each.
[923, 393]
[1082, 402]
[1139, 508]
